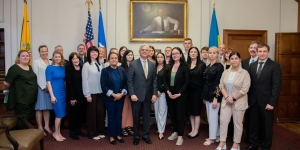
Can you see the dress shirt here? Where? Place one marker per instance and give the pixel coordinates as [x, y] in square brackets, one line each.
[91, 79]
[142, 61]
[156, 24]
[185, 55]
[255, 59]
[262, 64]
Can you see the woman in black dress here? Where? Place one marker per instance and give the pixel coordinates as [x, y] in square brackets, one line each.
[195, 87]
[75, 95]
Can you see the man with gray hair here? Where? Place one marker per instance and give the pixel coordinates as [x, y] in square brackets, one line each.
[143, 90]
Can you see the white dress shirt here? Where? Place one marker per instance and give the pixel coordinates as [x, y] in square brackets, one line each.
[157, 26]
[39, 68]
[262, 64]
[251, 59]
[142, 61]
[91, 79]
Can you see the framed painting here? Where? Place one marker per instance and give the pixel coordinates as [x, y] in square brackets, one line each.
[158, 21]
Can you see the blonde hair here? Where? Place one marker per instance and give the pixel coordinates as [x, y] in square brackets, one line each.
[62, 62]
[214, 49]
[17, 61]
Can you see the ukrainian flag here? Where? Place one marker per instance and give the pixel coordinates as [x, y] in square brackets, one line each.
[214, 37]
[25, 36]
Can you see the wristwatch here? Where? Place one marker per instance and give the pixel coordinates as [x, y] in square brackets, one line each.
[233, 99]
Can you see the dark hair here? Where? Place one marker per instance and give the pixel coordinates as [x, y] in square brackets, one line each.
[124, 60]
[253, 42]
[235, 53]
[108, 58]
[205, 48]
[263, 45]
[72, 56]
[88, 56]
[80, 45]
[153, 57]
[120, 57]
[42, 46]
[199, 63]
[164, 62]
[182, 60]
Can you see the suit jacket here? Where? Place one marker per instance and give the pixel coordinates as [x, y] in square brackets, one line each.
[265, 89]
[240, 84]
[84, 61]
[181, 82]
[245, 63]
[138, 84]
[39, 68]
[107, 83]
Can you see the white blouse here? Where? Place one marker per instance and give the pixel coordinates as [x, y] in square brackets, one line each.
[91, 79]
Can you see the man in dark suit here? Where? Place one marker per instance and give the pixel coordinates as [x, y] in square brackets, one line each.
[263, 95]
[81, 52]
[143, 90]
[252, 48]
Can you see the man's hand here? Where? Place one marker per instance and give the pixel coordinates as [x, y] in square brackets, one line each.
[269, 107]
[134, 98]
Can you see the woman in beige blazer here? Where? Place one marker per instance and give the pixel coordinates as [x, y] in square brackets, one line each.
[234, 85]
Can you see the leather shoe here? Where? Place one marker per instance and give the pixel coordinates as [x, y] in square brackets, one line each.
[136, 141]
[191, 137]
[250, 148]
[121, 140]
[113, 142]
[147, 140]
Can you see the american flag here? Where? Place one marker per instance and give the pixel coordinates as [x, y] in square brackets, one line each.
[89, 35]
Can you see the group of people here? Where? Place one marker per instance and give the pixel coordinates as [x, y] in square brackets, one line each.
[118, 90]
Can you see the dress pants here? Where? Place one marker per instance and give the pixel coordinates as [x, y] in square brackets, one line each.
[95, 116]
[24, 109]
[138, 108]
[225, 117]
[266, 122]
[114, 117]
[127, 120]
[161, 111]
[75, 120]
[213, 118]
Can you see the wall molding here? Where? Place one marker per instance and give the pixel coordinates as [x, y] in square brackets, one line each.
[2, 16]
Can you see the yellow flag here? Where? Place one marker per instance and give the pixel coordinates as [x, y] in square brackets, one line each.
[25, 36]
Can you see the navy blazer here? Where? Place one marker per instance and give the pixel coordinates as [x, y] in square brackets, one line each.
[107, 82]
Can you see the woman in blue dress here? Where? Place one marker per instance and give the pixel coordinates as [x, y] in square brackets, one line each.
[55, 77]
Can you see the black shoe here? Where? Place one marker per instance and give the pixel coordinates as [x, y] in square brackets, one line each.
[113, 142]
[191, 137]
[136, 141]
[80, 133]
[147, 140]
[250, 148]
[73, 136]
[120, 140]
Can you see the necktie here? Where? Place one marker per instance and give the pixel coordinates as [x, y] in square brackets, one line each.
[97, 67]
[259, 69]
[145, 69]
[82, 61]
[162, 24]
[252, 61]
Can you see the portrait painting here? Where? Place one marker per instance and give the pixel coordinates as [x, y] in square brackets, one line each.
[158, 21]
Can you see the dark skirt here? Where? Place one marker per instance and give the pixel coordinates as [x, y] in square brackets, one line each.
[195, 102]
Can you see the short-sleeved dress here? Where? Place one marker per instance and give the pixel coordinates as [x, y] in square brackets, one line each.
[56, 75]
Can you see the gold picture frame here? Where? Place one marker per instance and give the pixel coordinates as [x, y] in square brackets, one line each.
[158, 21]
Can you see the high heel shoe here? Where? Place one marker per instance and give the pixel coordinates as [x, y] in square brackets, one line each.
[56, 139]
[221, 148]
[113, 142]
[48, 131]
[191, 137]
[160, 137]
[236, 148]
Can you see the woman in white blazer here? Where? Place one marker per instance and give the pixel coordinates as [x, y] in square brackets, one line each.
[43, 103]
[234, 85]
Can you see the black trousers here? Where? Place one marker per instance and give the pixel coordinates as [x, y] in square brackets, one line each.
[138, 108]
[28, 110]
[266, 123]
[75, 119]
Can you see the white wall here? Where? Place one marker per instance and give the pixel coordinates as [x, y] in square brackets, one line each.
[63, 22]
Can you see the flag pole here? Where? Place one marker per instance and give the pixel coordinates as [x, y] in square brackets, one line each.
[214, 4]
[100, 5]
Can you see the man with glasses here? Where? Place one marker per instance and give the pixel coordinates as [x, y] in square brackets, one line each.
[168, 50]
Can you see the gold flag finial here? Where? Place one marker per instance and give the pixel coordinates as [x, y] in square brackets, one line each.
[214, 4]
[88, 2]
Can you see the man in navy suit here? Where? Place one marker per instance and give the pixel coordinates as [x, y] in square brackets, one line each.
[81, 52]
[263, 94]
[143, 90]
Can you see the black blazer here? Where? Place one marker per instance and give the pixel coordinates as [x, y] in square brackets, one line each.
[160, 80]
[138, 84]
[181, 79]
[265, 89]
[107, 82]
[245, 63]
[212, 76]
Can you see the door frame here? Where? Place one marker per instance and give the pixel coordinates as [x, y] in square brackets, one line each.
[230, 32]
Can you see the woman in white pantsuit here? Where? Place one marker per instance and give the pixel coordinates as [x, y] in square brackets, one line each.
[234, 85]
[160, 106]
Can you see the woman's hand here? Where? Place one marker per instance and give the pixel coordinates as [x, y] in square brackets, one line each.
[215, 103]
[72, 102]
[158, 94]
[204, 101]
[229, 100]
[176, 95]
[89, 99]
[53, 100]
